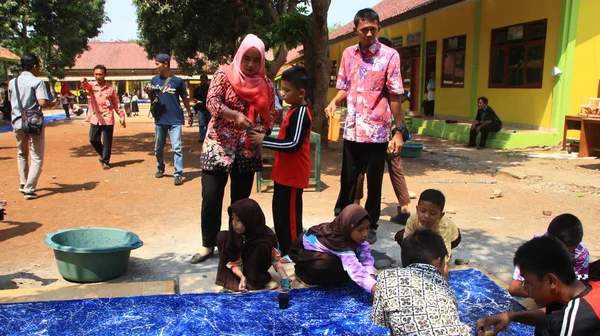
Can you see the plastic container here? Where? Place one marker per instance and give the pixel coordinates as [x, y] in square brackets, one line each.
[92, 254]
[412, 150]
[334, 127]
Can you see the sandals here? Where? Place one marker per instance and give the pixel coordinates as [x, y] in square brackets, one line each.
[198, 258]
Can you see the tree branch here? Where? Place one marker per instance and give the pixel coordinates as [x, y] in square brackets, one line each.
[279, 61]
[272, 11]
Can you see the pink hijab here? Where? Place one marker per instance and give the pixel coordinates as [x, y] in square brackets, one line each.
[254, 90]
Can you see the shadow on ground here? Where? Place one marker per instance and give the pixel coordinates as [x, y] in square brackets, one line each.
[144, 142]
[10, 229]
[10, 281]
[67, 188]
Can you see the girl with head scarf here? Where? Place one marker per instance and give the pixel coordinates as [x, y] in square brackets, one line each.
[247, 250]
[240, 98]
[336, 252]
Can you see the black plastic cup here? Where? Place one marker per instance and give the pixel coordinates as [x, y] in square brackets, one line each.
[284, 300]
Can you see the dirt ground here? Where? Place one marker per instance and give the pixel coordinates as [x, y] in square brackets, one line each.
[76, 192]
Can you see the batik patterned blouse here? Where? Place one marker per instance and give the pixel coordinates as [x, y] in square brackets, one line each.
[224, 144]
[417, 301]
[364, 75]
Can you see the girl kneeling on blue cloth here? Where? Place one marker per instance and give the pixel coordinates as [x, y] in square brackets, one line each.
[336, 252]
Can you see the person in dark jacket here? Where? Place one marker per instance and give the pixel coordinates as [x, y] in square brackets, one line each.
[485, 122]
[248, 250]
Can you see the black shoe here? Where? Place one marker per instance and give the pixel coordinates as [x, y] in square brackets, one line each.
[21, 186]
[178, 180]
[30, 195]
[401, 218]
[159, 174]
[198, 258]
[105, 166]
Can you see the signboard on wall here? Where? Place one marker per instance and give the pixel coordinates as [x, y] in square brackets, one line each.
[397, 41]
[413, 39]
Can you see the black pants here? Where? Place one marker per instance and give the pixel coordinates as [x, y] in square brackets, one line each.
[428, 107]
[485, 131]
[66, 108]
[287, 215]
[213, 191]
[103, 147]
[359, 158]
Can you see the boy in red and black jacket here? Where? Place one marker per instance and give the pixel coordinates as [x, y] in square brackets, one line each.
[291, 169]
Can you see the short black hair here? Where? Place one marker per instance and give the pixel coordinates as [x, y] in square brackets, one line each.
[567, 228]
[3, 84]
[544, 255]
[366, 14]
[101, 67]
[203, 77]
[422, 247]
[434, 196]
[297, 76]
[483, 99]
[28, 61]
[385, 41]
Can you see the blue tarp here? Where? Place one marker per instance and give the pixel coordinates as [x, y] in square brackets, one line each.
[47, 119]
[313, 311]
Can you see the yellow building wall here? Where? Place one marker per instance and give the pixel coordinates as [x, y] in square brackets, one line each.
[586, 70]
[453, 21]
[522, 106]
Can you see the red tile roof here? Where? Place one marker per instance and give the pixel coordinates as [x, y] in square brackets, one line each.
[291, 55]
[6, 55]
[386, 9]
[116, 55]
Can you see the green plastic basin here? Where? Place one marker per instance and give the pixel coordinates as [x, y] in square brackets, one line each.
[92, 254]
[412, 150]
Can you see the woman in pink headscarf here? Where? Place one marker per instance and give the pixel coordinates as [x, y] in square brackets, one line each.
[240, 98]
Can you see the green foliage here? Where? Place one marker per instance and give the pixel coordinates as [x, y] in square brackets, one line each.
[335, 27]
[195, 31]
[57, 31]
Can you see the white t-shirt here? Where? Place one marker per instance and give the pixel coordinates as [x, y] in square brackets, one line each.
[134, 98]
[430, 89]
[126, 100]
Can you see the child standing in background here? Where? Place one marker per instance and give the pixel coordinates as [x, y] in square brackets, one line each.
[291, 169]
[247, 250]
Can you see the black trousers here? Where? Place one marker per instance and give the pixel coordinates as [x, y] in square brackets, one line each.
[66, 108]
[428, 107]
[359, 158]
[287, 215]
[104, 147]
[213, 191]
[485, 131]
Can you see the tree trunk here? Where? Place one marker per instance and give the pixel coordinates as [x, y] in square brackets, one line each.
[316, 59]
[278, 61]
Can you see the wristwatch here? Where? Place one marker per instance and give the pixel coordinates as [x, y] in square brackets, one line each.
[399, 129]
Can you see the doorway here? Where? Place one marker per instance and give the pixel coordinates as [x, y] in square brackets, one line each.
[410, 64]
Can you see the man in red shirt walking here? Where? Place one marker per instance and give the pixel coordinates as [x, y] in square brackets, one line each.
[103, 104]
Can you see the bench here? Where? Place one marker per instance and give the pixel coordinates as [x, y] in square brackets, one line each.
[315, 138]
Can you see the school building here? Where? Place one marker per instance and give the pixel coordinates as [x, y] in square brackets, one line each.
[536, 61]
[128, 68]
